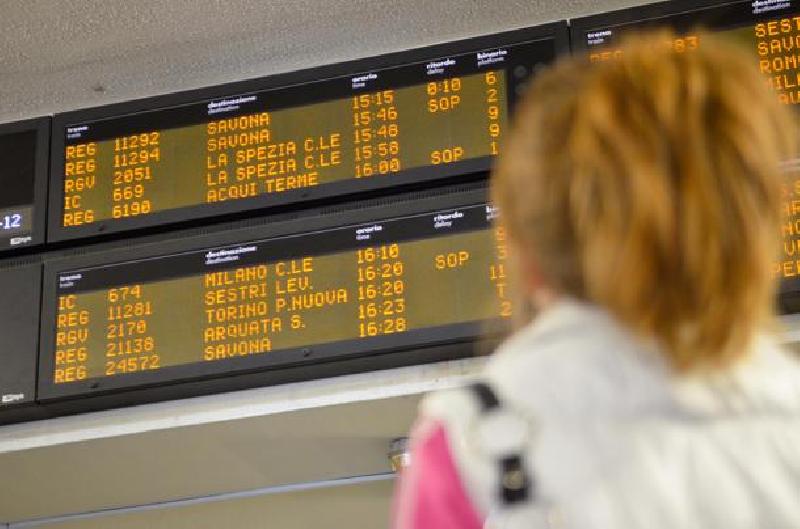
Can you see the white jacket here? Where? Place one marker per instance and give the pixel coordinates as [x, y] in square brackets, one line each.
[616, 441]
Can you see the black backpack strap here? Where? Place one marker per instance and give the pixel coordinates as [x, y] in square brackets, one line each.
[516, 485]
[486, 396]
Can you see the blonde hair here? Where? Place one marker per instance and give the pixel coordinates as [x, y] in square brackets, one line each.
[651, 185]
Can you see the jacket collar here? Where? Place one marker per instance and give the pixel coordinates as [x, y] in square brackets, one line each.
[766, 380]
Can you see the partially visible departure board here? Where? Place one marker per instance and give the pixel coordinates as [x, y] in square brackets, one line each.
[399, 282]
[767, 29]
[421, 115]
[23, 182]
[20, 295]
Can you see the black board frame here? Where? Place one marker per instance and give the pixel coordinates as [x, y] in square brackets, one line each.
[558, 32]
[650, 14]
[296, 365]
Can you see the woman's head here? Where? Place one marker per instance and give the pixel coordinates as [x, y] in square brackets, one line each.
[650, 185]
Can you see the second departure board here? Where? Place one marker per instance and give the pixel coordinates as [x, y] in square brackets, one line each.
[402, 282]
[767, 29]
[415, 116]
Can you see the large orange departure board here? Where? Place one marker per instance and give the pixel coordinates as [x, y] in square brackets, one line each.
[399, 282]
[417, 116]
[767, 29]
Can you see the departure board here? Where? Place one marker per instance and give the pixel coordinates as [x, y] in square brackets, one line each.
[402, 282]
[23, 155]
[423, 115]
[770, 30]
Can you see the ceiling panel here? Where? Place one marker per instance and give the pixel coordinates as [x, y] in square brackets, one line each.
[58, 55]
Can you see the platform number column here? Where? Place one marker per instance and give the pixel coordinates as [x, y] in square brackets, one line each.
[493, 111]
[498, 273]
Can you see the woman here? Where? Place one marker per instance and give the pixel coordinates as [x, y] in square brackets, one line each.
[642, 201]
